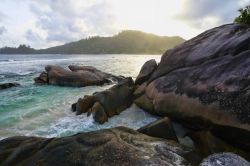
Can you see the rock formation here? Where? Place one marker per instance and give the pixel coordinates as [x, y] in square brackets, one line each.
[107, 103]
[110, 147]
[224, 159]
[8, 85]
[77, 76]
[204, 83]
[201, 87]
[162, 128]
[147, 69]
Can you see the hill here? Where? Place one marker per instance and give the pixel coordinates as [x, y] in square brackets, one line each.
[21, 49]
[125, 42]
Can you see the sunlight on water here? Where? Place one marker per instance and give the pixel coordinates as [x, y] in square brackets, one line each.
[45, 110]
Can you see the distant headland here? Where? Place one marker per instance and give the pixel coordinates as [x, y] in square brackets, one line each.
[125, 42]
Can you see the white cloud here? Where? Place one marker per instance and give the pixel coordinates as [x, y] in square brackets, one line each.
[204, 14]
[2, 20]
[68, 20]
[46, 23]
[2, 30]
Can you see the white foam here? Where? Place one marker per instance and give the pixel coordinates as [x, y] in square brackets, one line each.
[71, 124]
[45, 110]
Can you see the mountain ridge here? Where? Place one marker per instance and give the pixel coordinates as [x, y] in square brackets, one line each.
[125, 42]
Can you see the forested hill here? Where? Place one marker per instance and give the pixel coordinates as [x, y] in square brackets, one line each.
[125, 42]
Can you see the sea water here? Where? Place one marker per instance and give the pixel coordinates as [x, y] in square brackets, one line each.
[45, 110]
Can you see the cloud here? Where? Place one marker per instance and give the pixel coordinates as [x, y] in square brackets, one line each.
[2, 30]
[32, 36]
[208, 13]
[48, 23]
[2, 16]
[67, 20]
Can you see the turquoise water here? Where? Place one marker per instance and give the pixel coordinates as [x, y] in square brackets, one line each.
[35, 110]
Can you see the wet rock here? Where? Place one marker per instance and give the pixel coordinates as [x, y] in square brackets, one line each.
[113, 100]
[161, 128]
[77, 76]
[79, 68]
[83, 105]
[8, 85]
[117, 146]
[42, 79]
[73, 107]
[99, 114]
[224, 159]
[147, 69]
[117, 98]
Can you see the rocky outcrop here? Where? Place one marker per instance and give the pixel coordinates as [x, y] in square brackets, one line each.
[224, 159]
[205, 143]
[8, 85]
[161, 128]
[147, 69]
[117, 146]
[107, 103]
[204, 82]
[77, 76]
[204, 85]
[202, 143]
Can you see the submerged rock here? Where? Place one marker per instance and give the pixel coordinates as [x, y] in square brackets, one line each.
[224, 159]
[77, 76]
[107, 103]
[117, 146]
[8, 85]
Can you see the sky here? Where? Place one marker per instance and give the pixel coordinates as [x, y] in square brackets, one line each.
[46, 23]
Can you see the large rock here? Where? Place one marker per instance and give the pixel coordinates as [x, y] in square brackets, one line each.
[83, 105]
[208, 75]
[161, 128]
[206, 144]
[204, 84]
[224, 159]
[77, 76]
[8, 85]
[146, 71]
[117, 146]
[42, 79]
[99, 113]
[113, 101]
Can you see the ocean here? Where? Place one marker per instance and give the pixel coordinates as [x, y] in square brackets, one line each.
[45, 110]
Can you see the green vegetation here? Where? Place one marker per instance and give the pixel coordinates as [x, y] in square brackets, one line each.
[22, 49]
[126, 42]
[244, 16]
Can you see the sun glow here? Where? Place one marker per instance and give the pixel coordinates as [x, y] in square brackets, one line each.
[154, 16]
[49, 23]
